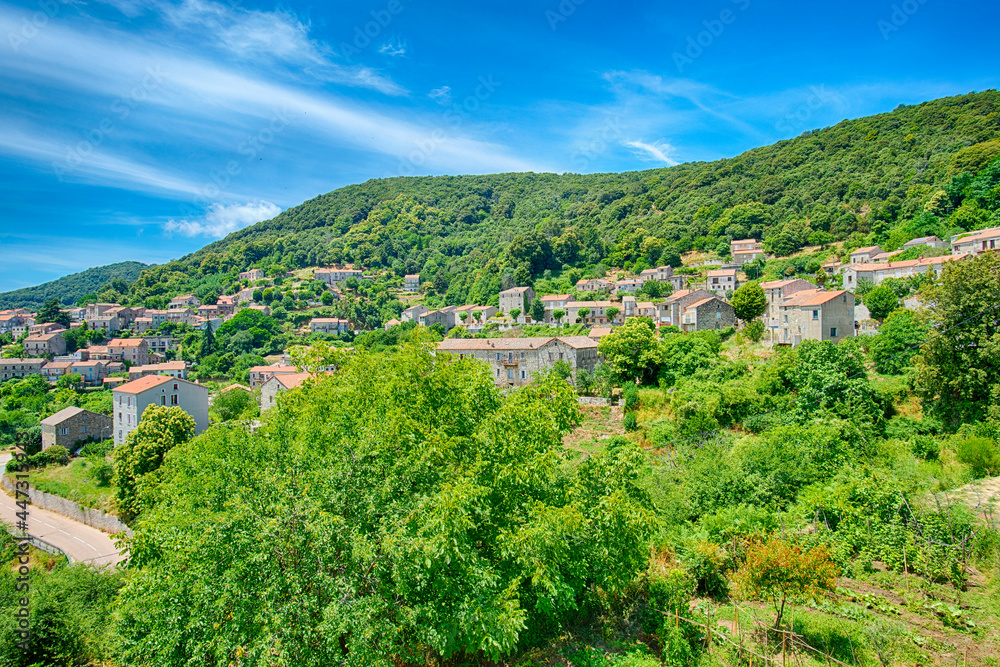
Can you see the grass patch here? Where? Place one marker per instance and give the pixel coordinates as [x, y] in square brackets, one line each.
[75, 481]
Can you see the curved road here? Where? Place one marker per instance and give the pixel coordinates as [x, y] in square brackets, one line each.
[80, 542]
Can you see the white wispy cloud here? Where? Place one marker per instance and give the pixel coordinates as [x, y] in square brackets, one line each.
[659, 151]
[394, 47]
[441, 95]
[223, 219]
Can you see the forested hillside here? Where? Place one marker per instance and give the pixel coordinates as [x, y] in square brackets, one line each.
[883, 179]
[69, 289]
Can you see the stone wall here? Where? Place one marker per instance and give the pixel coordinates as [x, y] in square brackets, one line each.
[99, 519]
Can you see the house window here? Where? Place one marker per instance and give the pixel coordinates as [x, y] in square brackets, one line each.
[499, 356]
[64, 431]
[560, 356]
[524, 374]
[173, 400]
[510, 373]
[163, 400]
[815, 314]
[84, 429]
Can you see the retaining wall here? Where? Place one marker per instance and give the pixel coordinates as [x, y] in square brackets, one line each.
[98, 519]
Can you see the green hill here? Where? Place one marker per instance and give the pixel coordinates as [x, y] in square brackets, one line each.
[70, 288]
[880, 179]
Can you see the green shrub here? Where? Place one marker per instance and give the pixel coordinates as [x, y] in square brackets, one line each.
[97, 448]
[630, 395]
[630, 422]
[102, 471]
[980, 454]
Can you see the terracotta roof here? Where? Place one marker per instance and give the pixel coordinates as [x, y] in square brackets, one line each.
[22, 360]
[866, 249]
[578, 342]
[702, 302]
[599, 332]
[126, 342]
[813, 298]
[273, 369]
[492, 344]
[745, 241]
[555, 297]
[515, 290]
[721, 272]
[58, 364]
[144, 384]
[922, 240]
[45, 337]
[292, 380]
[236, 385]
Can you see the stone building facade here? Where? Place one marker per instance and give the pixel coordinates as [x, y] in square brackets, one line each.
[74, 425]
[515, 362]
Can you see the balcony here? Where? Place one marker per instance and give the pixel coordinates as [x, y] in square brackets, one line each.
[510, 362]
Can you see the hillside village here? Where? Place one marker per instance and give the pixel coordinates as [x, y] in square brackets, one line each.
[146, 356]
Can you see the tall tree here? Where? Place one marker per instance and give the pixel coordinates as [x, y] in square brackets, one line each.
[207, 341]
[958, 372]
[52, 312]
[632, 350]
[881, 301]
[749, 302]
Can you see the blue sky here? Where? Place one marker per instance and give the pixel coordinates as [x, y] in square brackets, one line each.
[144, 129]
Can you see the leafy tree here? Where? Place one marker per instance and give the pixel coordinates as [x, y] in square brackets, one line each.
[865, 285]
[70, 381]
[881, 301]
[631, 351]
[754, 331]
[898, 341]
[832, 379]
[583, 313]
[514, 313]
[537, 310]
[207, 341]
[233, 404]
[52, 312]
[779, 571]
[459, 536]
[652, 289]
[159, 430]
[749, 302]
[558, 314]
[958, 372]
[326, 298]
[683, 355]
[611, 312]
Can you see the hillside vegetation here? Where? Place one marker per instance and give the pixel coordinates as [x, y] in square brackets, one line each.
[69, 289]
[883, 179]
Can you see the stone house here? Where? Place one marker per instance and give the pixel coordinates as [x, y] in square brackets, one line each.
[252, 275]
[443, 316]
[45, 344]
[629, 285]
[131, 399]
[745, 251]
[159, 344]
[817, 315]
[174, 369]
[413, 313]
[977, 242]
[332, 326]
[776, 291]
[261, 374]
[707, 314]
[411, 282]
[275, 385]
[73, 425]
[20, 367]
[134, 351]
[486, 312]
[597, 311]
[516, 297]
[721, 281]
[517, 361]
[54, 370]
[337, 276]
[593, 285]
[184, 302]
[554, 302]
[107, 323]
[877, 273]
[671, 309]
[864, 255]
[93, 371]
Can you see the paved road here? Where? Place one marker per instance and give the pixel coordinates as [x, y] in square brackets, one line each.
[79, 541]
